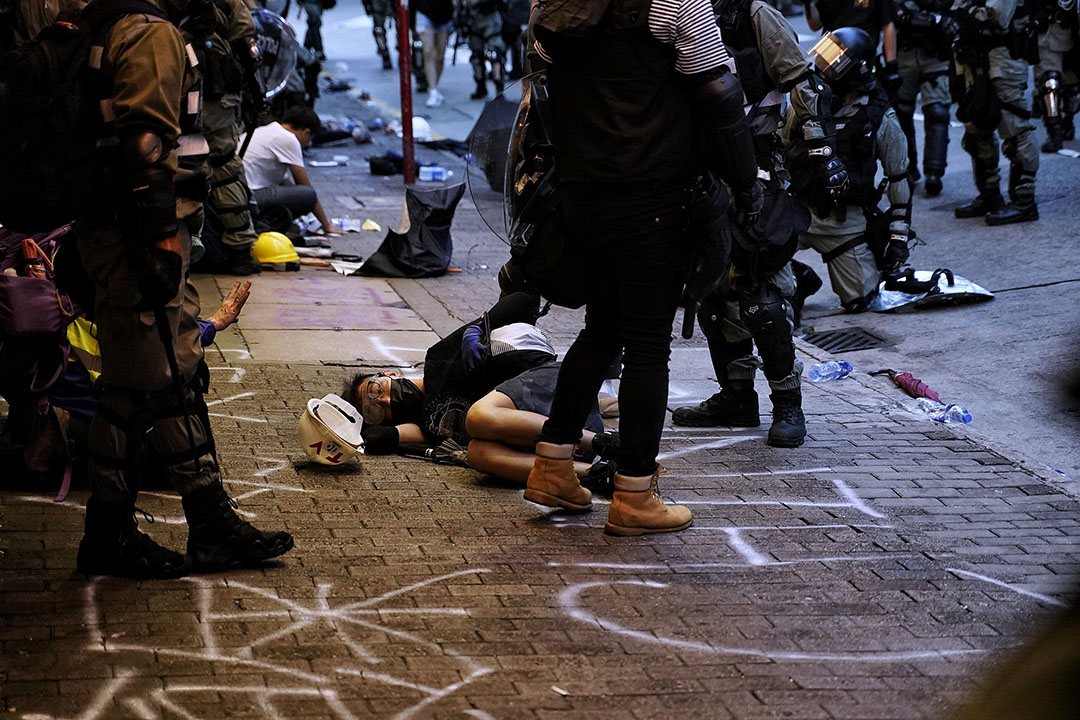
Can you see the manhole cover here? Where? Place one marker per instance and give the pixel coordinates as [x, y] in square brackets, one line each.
[846, 340]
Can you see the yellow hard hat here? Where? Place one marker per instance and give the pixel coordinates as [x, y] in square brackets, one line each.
[273, 248]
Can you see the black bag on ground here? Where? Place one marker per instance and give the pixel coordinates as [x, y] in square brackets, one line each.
[424, 250]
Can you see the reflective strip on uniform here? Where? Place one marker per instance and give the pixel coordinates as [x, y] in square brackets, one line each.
[194, 102]
[107, 112]
[192, 59]
[192, 145]
[96, 53]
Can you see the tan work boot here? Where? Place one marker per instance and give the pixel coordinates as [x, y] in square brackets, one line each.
[637, 508]
[552, 480]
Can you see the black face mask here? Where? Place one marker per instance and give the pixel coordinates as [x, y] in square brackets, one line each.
[406, 401]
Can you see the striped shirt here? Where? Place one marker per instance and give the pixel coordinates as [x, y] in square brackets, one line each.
[691, 27]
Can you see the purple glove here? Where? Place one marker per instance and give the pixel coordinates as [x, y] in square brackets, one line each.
[473, 351]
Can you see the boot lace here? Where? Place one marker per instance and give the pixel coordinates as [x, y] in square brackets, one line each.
[655, 485]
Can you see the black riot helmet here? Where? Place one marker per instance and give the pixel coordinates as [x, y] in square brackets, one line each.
[845, 59]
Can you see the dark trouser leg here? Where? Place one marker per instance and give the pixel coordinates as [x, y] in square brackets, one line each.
[634, 237]
[906, 115]
[982, 146]
[936, 147]
[378, 31]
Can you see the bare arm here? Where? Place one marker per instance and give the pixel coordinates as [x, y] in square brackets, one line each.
[888, 41]
[410, 433]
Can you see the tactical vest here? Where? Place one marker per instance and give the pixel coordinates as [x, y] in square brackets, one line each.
[741, 41]
[855, 137]
[222, 73]
[620, 110]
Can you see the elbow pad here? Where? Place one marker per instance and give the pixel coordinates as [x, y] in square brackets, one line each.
[726, 132]
[379, 440]
[148, 199]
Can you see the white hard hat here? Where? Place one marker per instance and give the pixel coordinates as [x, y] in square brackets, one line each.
[330, 430]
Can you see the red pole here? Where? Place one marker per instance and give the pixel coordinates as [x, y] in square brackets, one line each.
[405, 70]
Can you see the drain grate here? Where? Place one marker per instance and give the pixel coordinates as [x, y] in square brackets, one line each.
[846, 340]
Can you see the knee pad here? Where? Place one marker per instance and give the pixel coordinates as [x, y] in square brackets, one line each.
[763, 309]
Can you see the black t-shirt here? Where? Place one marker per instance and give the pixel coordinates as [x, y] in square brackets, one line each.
[868, 15]
[439, 12]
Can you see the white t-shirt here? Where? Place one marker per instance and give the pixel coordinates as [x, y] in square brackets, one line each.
[272, 150]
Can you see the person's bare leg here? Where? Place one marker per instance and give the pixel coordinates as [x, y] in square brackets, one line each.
[507, 462]
[430, 54]
[495, 417]
[439, 42]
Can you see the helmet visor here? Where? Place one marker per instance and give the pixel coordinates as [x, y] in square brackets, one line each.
[831, 57]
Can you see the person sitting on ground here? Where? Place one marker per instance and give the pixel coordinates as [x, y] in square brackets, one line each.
[487, 386]
[274, 165]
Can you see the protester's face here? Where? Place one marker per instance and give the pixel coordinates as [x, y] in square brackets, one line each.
[374, 396]
[306, 137]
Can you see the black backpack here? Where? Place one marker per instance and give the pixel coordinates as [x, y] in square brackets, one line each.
[50, 119]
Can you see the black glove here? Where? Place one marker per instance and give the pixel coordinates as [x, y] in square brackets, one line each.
[891, 77]
[158, 275]
[948, 26]
[748, 204]
[829, 169]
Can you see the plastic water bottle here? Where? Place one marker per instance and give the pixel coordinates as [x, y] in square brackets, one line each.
[429, 173]
[831, 370]
[944, 413]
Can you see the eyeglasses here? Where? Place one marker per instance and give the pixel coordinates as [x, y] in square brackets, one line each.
[373, 412]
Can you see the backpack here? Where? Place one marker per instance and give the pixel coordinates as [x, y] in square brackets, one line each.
[50, 118]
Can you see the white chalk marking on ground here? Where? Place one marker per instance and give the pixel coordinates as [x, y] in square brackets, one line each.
[479, 714]
[753, 528]
[238, 396]
[757, 473]
[238, 417]
[672, 567]
[387, 352]
[723, 442]
[238, 372]
[338, 619]
[752, 556]
[240, 353]
[568, 599]
[853, 497]
[280, 465]
[1009, 586]
[97, 705]
[141, 708]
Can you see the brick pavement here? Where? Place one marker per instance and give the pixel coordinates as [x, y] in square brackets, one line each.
[876, 572]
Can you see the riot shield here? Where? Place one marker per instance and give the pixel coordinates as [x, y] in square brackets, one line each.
[278, 46]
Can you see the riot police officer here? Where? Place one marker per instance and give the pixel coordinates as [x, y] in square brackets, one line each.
[222, 33]
[481, 23]
[1055, 76]
[925, 33]
[752, 306]
[995, 47]
[867, 134]
[380, 11]
[134, 242]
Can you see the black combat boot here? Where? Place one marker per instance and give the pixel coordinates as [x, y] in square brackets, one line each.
[789, 424]
[1055, 135]
[936, 147]
[1021, 207]
[240, 262]
[112, 545]
[481, 90]
[218, 539]
[983, 203]
[736, 405]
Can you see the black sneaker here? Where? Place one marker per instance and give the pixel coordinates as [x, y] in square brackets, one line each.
[734, 406]
[219, 539]
[480, 92]
[112, 545]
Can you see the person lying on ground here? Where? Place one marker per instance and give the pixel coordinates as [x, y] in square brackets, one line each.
[274, 165]
[487, 384]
